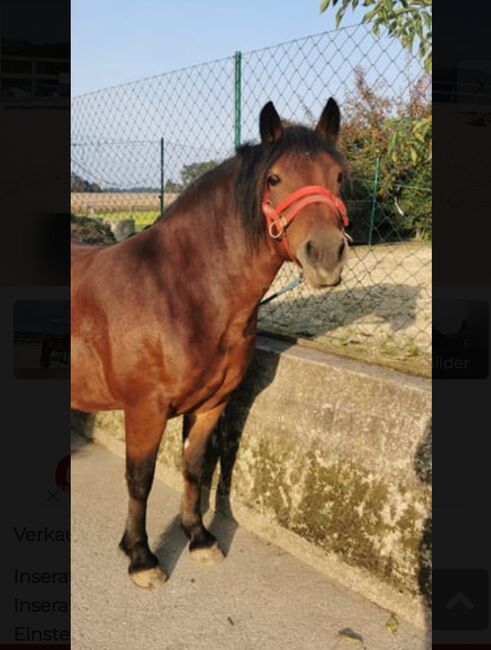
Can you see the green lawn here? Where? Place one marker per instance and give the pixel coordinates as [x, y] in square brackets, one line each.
[141, 218]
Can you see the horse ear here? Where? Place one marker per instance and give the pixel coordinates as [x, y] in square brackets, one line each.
[270, 126]
[330, 119]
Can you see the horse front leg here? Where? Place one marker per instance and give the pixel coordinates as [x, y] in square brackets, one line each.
[144, 425]
[197, 432]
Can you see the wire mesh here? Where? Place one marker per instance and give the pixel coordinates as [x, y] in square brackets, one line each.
[135, 141]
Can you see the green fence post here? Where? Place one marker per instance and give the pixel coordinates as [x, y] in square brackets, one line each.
[161, 176]
[237, 97]
[374, 199]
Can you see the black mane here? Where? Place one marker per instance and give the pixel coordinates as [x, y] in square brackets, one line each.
[254, 163]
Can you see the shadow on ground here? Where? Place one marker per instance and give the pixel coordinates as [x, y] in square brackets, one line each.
[362, 301]
[321, 313]
[221, 458]
[81, 429]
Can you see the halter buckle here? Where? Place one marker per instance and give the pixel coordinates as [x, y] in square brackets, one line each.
[277, 228]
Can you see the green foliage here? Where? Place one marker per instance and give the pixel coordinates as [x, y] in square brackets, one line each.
[79, 184]
[189, 173]
[398, 134]
[142, 218]
[406, 20]
[90, 231]
[171, 187]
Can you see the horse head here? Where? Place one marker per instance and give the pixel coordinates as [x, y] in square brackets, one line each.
[301, 202]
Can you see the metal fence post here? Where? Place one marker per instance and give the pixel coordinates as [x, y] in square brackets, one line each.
[161, 176]
[374, 199]
[237, 97]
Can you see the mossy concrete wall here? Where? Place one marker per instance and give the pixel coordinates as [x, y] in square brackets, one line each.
[333, 456]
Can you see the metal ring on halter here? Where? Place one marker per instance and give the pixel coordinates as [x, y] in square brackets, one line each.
[283, 223]
[278, 228]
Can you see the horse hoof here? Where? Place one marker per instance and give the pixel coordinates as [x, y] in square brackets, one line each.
[149, 578]
[207, 554]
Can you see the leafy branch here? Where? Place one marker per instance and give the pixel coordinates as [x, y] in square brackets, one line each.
[406, 20]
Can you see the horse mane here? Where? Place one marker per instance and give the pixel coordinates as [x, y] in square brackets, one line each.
[254, 161]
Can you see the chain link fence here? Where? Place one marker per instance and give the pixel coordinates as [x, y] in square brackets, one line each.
[137, 145]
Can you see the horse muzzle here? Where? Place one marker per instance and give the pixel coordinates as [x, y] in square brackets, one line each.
[323, 260]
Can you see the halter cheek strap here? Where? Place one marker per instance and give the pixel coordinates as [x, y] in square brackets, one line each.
[279, 218]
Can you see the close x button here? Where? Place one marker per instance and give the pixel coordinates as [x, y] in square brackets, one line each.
[460, 599]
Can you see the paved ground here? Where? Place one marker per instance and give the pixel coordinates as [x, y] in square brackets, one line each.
[259, 597]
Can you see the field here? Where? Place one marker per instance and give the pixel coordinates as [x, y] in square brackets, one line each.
[144, 208]
[142, 218]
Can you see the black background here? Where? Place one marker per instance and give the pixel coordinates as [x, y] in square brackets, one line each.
[34, 265]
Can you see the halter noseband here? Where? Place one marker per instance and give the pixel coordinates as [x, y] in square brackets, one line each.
[279, 218]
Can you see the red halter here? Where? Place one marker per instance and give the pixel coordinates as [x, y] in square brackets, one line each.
[277, 222]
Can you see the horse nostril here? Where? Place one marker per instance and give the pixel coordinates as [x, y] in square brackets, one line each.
[341, 248]
[311, 251]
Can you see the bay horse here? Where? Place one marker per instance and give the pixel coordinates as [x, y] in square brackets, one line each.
[164, 323]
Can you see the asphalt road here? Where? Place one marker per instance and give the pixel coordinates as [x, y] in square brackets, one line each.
[259, 597]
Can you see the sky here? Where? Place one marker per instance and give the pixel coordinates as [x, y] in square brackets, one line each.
[115, 41]
[116, 133]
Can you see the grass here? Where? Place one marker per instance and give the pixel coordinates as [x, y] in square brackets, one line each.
[141, 218]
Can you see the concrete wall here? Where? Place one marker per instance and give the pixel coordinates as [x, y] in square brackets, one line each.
[332, 462]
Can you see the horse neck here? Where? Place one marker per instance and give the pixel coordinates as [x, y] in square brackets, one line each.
[204, 231]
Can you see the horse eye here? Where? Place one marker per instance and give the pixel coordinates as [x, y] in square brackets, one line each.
[273, 180]
[340, 177]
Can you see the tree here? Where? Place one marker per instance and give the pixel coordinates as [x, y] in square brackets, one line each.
[171, 187]
[189, 173]
[79, 184]
[395, 131]
[407, 20]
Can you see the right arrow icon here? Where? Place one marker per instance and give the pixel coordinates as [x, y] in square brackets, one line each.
[461, 599]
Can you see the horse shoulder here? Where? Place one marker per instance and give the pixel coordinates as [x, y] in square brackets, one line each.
[237, 353]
